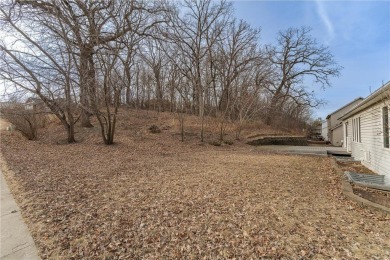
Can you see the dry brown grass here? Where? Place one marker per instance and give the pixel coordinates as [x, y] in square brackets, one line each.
[151, 196]
[4, 124]
[354, 167]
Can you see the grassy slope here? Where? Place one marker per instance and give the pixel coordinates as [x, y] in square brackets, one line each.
[152, 196]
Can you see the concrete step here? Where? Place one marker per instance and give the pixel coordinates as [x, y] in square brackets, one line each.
[346, 159]
[339, 153]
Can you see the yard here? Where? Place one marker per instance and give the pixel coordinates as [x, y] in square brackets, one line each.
[151, 196]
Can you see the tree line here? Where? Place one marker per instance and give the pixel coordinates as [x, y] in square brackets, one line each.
[88, 58]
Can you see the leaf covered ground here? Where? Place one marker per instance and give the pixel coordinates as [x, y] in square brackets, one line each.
[152, 197]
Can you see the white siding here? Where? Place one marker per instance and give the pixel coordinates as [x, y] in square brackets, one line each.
[324, 130]
[336, 136]
[347, 136]
[371, 150]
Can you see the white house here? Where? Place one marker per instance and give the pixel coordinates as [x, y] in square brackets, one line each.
[366, 131]
[335, 125]
[324, 130]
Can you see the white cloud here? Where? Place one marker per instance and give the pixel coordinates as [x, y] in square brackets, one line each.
[325, 20]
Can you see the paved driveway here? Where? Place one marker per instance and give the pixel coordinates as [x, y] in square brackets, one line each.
[16, 242]
[306, 150]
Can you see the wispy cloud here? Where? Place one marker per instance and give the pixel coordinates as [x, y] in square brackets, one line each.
[325, 19]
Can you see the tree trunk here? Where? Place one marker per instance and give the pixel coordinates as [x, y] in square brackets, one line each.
[85, 87]
[85, 118]
[159, 90]
[224, 99]
[221, 132]
[273, 107]
[70, 132]
[70, 128]
[128, 94]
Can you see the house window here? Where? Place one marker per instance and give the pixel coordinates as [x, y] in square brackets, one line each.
[385, 115]
[356, 133]
[359, 132]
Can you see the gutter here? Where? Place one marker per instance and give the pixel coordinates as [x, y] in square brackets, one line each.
[371, 100]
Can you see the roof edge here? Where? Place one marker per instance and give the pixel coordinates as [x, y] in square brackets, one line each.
[353, 101]
[370, 100]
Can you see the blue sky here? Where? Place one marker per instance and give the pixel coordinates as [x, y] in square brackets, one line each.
[357, 33]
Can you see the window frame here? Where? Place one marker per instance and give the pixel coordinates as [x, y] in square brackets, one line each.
[356, 130]
[385, 127]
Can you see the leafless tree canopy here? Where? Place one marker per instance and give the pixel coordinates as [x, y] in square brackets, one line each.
[298, 57]
[88, 58]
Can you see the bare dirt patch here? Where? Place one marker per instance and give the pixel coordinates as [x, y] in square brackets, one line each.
[152, 196]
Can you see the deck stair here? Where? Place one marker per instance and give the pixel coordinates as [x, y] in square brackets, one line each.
[339, 153]
[346, 159]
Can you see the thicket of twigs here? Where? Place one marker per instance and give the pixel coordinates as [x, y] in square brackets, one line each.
[26, 121]
[188, 57]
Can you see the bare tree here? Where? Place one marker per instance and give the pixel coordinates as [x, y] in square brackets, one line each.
[25, 120]
[106, 105]
[235, 57]
[128, 60]
[92, 24]
[74, 33]
[249, 101]
[191, 35]
[154, 57]
[37, 64]
[98, 54]
[296, 58]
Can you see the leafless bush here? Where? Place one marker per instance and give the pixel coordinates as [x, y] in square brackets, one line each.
[216, 143]
[26, 121]
[154, 129]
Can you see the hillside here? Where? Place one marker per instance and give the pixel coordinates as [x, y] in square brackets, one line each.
[134, 123]
[153, 196]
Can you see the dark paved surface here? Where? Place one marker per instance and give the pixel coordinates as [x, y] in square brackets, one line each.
[305, 150]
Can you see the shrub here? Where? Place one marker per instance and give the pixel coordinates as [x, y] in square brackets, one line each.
[229, 142]
[154, 129]
[216, 143]
[26, 121]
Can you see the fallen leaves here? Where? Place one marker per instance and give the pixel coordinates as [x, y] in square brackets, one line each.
[154, 197]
